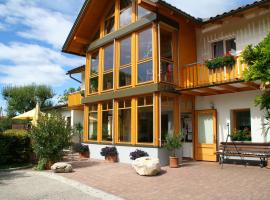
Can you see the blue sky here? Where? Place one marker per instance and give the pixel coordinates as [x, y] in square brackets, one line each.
[32, 33]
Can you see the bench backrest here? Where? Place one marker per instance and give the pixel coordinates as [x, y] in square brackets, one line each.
[245, 147]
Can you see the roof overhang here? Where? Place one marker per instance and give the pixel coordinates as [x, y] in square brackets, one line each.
[76, 70]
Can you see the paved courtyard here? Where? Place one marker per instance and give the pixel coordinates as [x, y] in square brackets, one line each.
[194, 180]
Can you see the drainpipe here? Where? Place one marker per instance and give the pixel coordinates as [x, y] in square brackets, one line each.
[74, 78]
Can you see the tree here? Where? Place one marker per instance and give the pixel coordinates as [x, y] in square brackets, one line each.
[63, 99]
[24, 98]
[258, 59]
[50, 137]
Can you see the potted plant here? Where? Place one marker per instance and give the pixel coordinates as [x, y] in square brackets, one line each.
[110, 154]
[137, 154]
[172, 143]
[83, 150]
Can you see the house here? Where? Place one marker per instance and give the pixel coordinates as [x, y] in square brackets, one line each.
[145, 76]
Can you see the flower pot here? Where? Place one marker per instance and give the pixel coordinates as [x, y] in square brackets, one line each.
[268, 164]
[174, 162]
[48, 165]
[84, 154]
[111, 159]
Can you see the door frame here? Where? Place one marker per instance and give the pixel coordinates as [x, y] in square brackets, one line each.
[214, 113]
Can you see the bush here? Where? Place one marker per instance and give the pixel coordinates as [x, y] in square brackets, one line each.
[50, 137]
[173, 142]
[5, 124]
[109, 151]
[15, 147]
[218, 62]
[137, 154]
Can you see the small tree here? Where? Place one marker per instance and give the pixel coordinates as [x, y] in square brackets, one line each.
[173, 142]
[63, 99]
[258, 60]
[50, 137]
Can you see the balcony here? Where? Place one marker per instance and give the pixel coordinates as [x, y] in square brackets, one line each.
[198, 75]
[75, 100]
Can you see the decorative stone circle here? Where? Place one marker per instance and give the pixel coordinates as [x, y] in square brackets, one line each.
[61, 167]
[147, 166]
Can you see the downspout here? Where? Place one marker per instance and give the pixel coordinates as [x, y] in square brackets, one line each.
[74, 78]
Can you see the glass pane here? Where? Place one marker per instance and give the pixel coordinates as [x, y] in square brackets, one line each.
[167, 115]
[142, 12]
[230, 46]
[205, 128]
[125, 77]
[108, 81]
[218, 49]
[108, 57]
[94, 63]
[145, 124]
[166, 45]
[121, 104]
[109, 25]
[145, 72]
[243, 120]
[93, 84]
[145, 44]
[141, 101]
[128, 103]
[149, 100]
[107, 125]
[125, 51]
[166, 72]
[125, 17]
[124, 125]
[93, 107]
[92, 126]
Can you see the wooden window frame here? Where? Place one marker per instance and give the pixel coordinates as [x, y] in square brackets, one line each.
[145, 60]
[143, 106]
[88, 115]
[224, 45]
[101, 120]
[88, 74]
[234, 120]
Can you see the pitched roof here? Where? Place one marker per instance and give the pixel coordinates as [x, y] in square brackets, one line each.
[76, 70]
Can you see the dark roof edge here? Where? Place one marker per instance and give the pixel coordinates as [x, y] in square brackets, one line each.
[234, 11]
[76, 70]
[74, 26]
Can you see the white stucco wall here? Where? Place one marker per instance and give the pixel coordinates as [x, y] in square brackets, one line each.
[76, 117]
[227, 102]
[124, 151]
[250, 29]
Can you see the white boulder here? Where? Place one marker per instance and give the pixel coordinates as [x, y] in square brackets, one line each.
[147, 166]
[61, 167]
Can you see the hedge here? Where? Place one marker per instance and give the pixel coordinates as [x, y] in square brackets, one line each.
[15, 147]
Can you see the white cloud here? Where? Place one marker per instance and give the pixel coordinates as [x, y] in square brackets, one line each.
[41, 24]
[29, 63]
[207, 8]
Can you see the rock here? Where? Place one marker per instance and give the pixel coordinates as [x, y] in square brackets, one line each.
[147, 166]
[61, 167]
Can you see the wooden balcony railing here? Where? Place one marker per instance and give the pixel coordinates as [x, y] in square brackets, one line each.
[74, 99]
[196, 75]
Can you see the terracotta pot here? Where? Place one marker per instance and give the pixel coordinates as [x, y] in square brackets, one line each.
[48, 165]
[268, 164]
[84, 154]
[174, 162]
[111, 159]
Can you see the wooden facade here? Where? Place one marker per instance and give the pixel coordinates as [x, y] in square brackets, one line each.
[115, 87]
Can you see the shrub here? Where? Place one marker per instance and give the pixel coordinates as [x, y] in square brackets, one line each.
[173, 142]
[109, 151]
[50, 137]
[137, 154]
[15, 147]
[5, 124]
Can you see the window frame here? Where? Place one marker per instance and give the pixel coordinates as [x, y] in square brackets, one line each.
[137, 121]
[95, 75]
[224, 40]
[144, 60]
[113, 121]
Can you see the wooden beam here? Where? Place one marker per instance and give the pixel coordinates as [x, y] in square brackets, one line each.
[264, 6]
[238, 15]
[217, 22]
[251, 85]
[193, 93]
[81, 40]
[229, 88]
[210, 91]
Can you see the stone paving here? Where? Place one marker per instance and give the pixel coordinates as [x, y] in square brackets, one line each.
[194, 180]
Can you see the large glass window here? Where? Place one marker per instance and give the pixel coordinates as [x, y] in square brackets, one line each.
[110, 21]
[125, 62]
[93, 122]
[166, 53]
[167, 116]
[108, 67]
[142, 12]
[124, 120]
[145, 119]
[94, 72]
[125, 12]
[145, 64]
[107, 121]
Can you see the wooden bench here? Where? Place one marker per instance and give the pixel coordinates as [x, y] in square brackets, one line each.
[244, 150]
